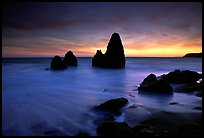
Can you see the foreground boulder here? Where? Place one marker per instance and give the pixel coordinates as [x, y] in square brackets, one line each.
[112, 128]
[151, 84]
[192, 87]
[190, 129]
[114, 56]
[56, 63]
[70, 59]
[195, 88]
[185, 76]
[149, 79]
[113, 105]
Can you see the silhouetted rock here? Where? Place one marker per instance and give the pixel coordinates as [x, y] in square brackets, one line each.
[98, 59]
[114, 56]
[113, 105]
[112, 128]
[185, 76]
[70, 59]
[57, 64]
[149, 79]
[158, 86]
[194, 88]
[191, 87]
[151, 84]
[193, 55]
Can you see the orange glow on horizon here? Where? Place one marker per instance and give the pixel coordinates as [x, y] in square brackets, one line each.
[167, 49]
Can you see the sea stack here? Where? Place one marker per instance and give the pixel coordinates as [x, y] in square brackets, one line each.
[59, 64]
[114, 56]
[70, 59]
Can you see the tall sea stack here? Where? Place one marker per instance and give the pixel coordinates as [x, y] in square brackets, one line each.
[70, 59]
[114, 56]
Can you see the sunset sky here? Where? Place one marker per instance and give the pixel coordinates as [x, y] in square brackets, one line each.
[146, 29]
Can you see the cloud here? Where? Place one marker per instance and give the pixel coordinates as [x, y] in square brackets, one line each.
[85, 27]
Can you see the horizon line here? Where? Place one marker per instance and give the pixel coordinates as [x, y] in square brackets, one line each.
[92, 57]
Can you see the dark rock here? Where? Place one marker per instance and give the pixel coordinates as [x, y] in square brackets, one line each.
[193, 55]
[113, 105]
[199, 93]
[57, 63]
[114, 56]
[112, 128]
[185, 76]
[158, 86]
[190, 129]
[198, 108]
[151, 120]
[192, 87]
[149, 79]
[83, 134]
[98, 59]
[70, 59]
[143, 130]
[146, 132]
[173, 103]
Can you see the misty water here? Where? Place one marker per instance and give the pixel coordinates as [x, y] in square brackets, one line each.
[36, 101]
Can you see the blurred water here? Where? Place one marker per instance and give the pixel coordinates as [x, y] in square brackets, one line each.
[36, 101]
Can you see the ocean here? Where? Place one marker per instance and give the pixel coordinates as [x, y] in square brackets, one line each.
[36, 101]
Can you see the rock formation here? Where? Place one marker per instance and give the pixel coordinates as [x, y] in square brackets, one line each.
[57, 63]
[114, 56]
[182, 76]
[151, 84]
[113, 105]
[113, 128]
[70, 59]
[190, 82]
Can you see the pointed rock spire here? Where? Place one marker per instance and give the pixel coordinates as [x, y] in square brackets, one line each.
[114, 56]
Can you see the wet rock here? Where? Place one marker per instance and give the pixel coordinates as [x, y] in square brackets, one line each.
[199, 93]
[190, 129]
[113, 105]
[173, 103]
[191, 87]
[149, 79]
[198, 108]
[143, 130]
[83, 134]
[148, 133]
[114, 56]
[57, 64]
[112, 128]
[158, 86]
[185, 76]
[70, 59]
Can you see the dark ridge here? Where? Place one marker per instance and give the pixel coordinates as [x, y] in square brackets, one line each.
[193, 55]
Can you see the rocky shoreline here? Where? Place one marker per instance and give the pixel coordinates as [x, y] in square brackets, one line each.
[160, 122]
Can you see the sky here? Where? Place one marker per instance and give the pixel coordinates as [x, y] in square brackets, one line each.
[147, 29]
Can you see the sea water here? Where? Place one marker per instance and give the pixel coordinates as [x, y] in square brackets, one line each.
[37, 101]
